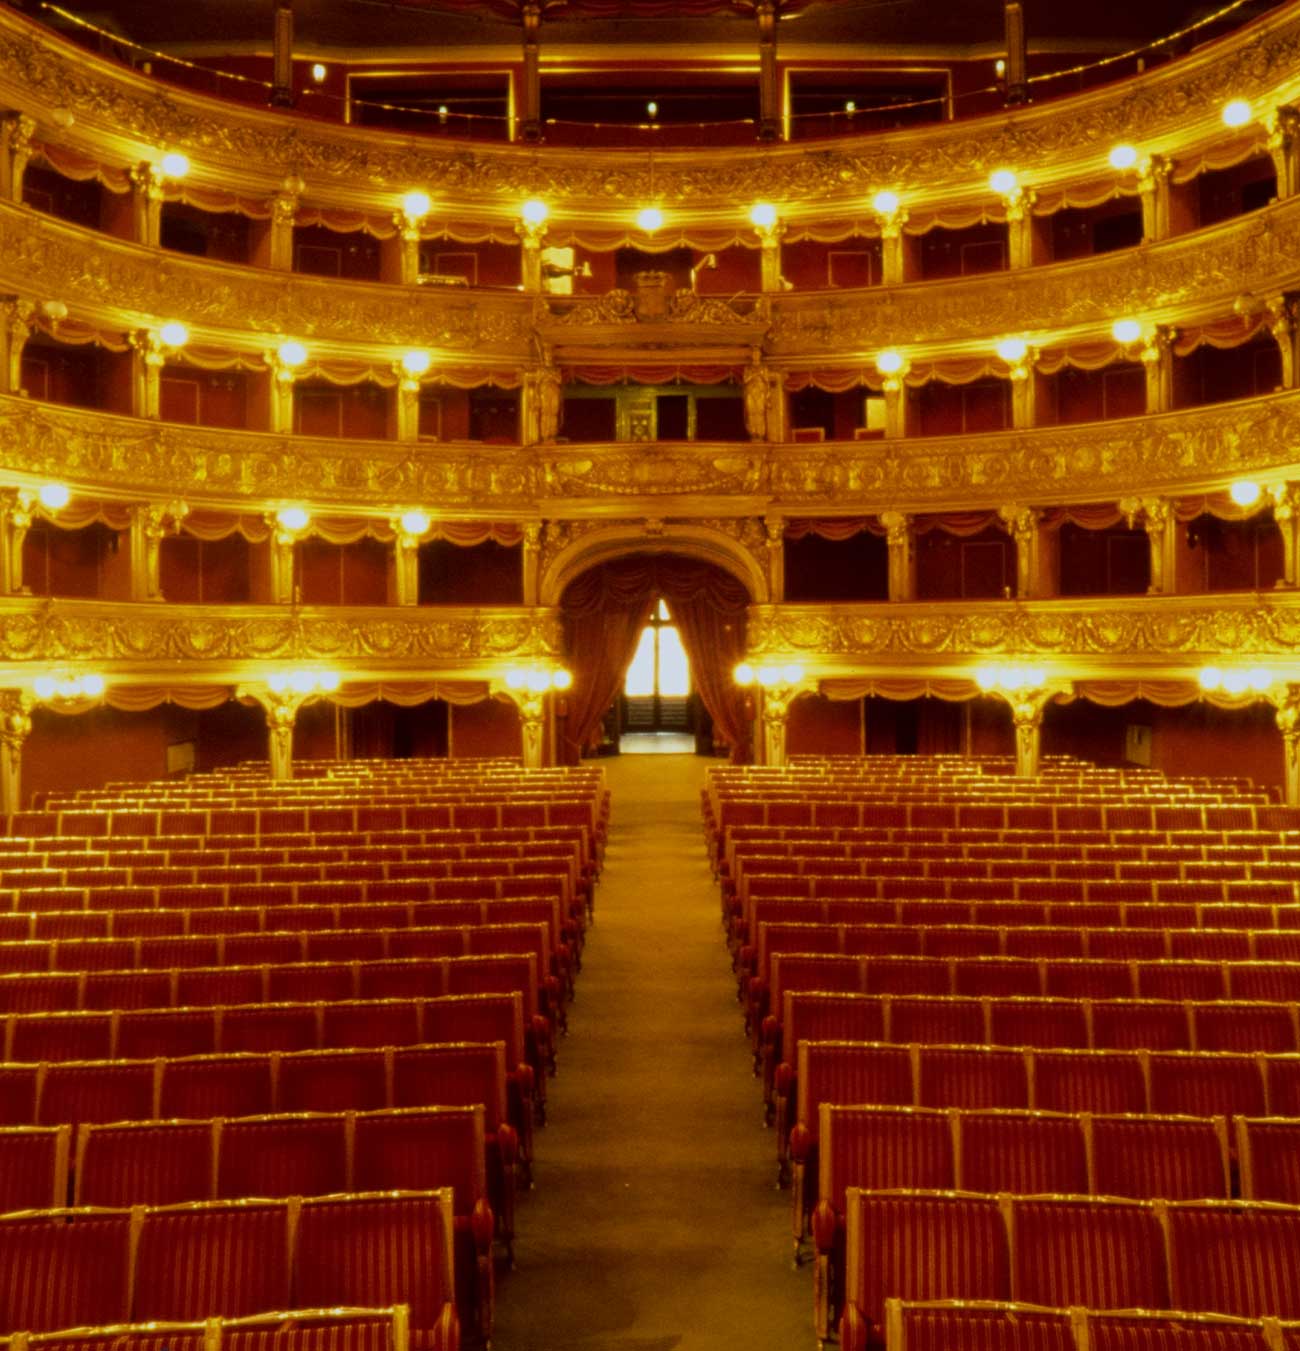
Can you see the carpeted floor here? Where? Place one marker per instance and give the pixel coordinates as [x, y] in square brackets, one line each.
[656, 1223]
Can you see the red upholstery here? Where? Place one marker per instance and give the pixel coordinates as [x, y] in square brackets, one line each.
[977, 1329]
[1270, 1160]
[1236, 1258]
[1021, 1152]
[226, 1259]
[1220, 1085]
[1153, 1156]
[332, 1081]
[972, 1077]
[283, 1156]
[216, 1086]
[33, 1167]
[57, 1272]
[96, 1091]
[144, 1164]
[1078, 1252]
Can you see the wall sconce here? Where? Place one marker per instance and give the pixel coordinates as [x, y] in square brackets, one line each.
[1010, 678]
[303, 681]
[54, 496]
[64, 688]
[538, 679]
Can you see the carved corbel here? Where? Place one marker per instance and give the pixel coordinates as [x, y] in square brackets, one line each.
[15, 728]
[281, 709]
[1027, 719]
[902, 555]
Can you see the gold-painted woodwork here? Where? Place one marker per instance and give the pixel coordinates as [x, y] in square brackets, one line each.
[1101, 635]
[105, 455]
[1165, 111]
[228, 642]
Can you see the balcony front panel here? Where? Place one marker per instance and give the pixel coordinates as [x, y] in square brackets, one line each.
[104, 455]
[180, 643]
[130, 116]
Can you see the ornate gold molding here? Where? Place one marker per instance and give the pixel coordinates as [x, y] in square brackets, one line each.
[126, 282]
[1114, 633]
[208, 641]
[132, 114]
[101, 454]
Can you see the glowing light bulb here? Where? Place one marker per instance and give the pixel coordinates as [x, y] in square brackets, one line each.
[92, 686]
[416, 362]
[886, 202]
[850, 106]
[173, 334]
[1235, 682]
[1004, 181]
[174, 165]
[53, 496]
[743, 674]
[1210, 677]
[1123, 157]
[1126, 331]
[650, 219]
[328, 680]
[1244, 492]
[318, 73]
[562, 679]
[762, 215]
[652, 109]
[291, 353]
[792, 674]
[1013, 350]
[414, 522]
[416, 205]
[293, 518]
[986, 677]
[534, 211]
[1259, 679]
[889, 363]
[44, 686]
[1237, 113]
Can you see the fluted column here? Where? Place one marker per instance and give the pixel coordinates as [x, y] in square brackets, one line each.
[16, 317]
[893, 248]
[280, 394]
[1022, 522]
[283, 591]
[770, 256]
[146, 204]
[902, 555]
[15, 521]
[532, 563]
[284, 213]
[16, 132]
[1283, 126]
[1153, 190]
[1288, 722]
[406, 566]
[1024, 391]
[1286, 512]
[1020, 228]
[150, 524]
[1160, 522]
[15, 727]
[1158, 362]
[774, 538]
[1027, 719]
[1282, 325]
[147, 359]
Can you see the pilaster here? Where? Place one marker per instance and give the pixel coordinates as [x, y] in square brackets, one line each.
[902, 555]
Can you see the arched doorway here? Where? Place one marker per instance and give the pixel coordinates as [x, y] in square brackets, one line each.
[653, 615]
[657, 687]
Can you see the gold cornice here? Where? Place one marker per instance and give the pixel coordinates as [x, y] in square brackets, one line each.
[225, 643]
[1110, 635]
[1167, 111]
[104, 455]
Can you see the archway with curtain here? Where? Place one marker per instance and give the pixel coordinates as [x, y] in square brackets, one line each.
[604, 611]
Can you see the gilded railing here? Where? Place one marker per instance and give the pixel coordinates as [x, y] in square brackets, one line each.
[1110, 635]
[226, 642]
[102, 107]
[100, 454]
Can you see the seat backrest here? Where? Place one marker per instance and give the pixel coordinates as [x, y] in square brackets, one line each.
[144, 1163]
[1150, 1156]
[971, 1076]
[918, 1245]
[942, 1326]
[227, 1259]
[1072, 1251]
[1235, 1257]
[453, 1073]
[34, 1167]
[1206, 1085]
[284, 1155]
[218, 1085]
[938, 1019]
[851, 1072]
[96, 1090]
[1269, 1154]
[1026, 1152]
[63, 1272]
[424, 1148]
[1087, 1081]
[882, 1147]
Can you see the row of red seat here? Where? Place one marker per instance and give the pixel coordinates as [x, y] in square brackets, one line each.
[69, 1269]
[1233, 1257]
[941, 1325]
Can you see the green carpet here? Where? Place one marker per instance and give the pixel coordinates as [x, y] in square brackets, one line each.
[656, 1223]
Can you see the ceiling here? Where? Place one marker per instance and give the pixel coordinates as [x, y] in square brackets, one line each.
[352, 28]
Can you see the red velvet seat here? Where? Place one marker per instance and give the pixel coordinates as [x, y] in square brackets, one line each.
[60, 1271]
[1235, 1257]
[219, 1085]
[1171, 1157]
[34, 1167]
[144, 1163]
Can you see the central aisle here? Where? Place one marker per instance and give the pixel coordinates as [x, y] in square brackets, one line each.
[655, 1223]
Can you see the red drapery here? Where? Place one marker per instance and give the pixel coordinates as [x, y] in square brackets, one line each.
[604, 612]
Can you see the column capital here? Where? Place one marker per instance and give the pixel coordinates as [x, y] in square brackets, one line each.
[15, 717]
[774, 531]
[1021, 521]
[897, 525]
[1282, 124]
[533, 531]
[284, 207]
[18, 506]
[1154, 171]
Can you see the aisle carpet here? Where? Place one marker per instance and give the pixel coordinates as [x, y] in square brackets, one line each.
[656, 1223]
